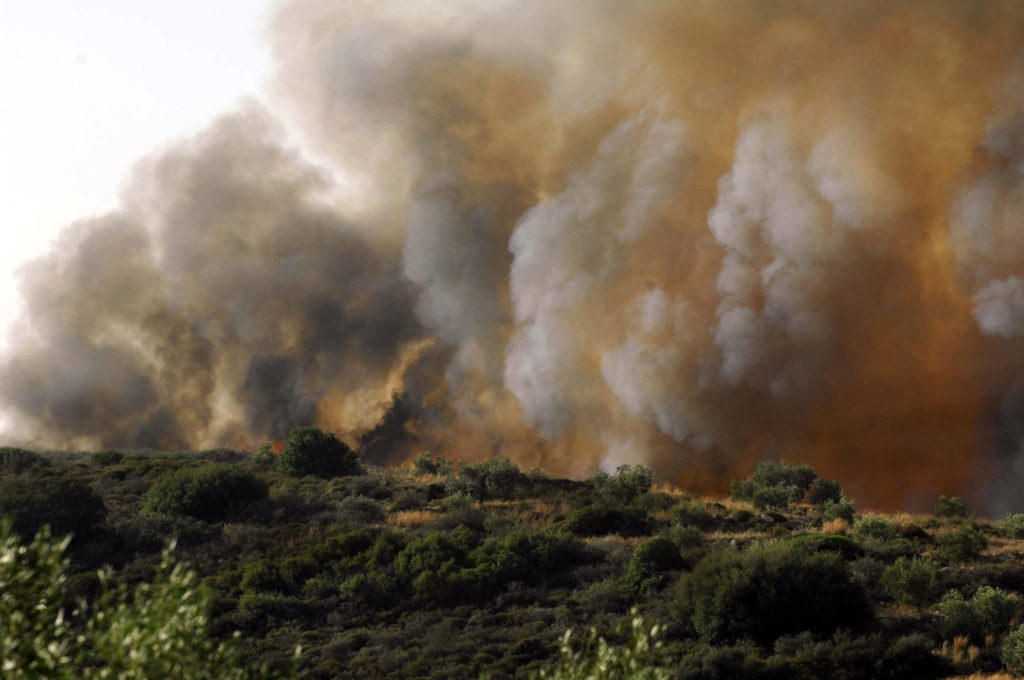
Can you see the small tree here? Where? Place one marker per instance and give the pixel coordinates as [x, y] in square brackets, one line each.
[953, 508]
[311, 451]
[492, 478]
[628, 482]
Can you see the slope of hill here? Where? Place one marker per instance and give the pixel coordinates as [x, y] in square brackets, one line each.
[442, 571]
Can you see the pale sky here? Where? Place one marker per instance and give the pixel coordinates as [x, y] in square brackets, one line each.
[88, 86]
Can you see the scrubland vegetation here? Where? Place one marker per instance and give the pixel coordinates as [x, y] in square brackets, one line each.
[439, 570]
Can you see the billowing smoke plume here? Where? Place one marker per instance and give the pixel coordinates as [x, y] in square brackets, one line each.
[577, 234]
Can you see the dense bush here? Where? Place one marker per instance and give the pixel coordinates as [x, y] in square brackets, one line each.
[824, 491]
[776, 484]
[951, 507]
[106, 458]
[1014, 525]
[988, 612]
[874, 526]
[840, 509]
[841, 545]
[691, 515]
[622, 488]
[265, 458]
[492, 478]
[66, 505]
[311, 451]
[209, 492]
[428, 463]
[1013, 652]
[601, 520]
[762, 593]
[962, 545]
[913, 581]
[650, 561]
[15, 461]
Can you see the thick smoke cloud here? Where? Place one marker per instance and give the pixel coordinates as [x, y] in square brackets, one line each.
[577, 234]
[222, 303]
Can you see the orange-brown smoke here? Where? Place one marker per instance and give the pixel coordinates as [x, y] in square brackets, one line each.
[577, 234]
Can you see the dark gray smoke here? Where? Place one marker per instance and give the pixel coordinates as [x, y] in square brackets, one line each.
[226, 298]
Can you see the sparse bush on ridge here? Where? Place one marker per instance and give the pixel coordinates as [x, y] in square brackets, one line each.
[1013, 525]
[953, 508]
[311, 451]
[428, 463]
[777, 484]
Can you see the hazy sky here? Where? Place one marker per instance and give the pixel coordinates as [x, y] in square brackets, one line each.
[87, 86]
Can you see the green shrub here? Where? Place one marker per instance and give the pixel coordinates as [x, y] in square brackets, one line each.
[913, 581]
[951, 507]
[628, 482]
[428, 463]
[762, 593]
[209, 492]
[776, 484]
[841, 545]
[963, 545]
[873, 526]
[15, 461]
[309, 451]
[685, 538]
[691, 515]
[265, 458]
[105, 458]
[781, 473]
[1013, 652]
[66, 505]
[359, 510]
[824, 491]
[988, 612]
[841, 509]
[1013, 525]
[593, 658]
[762, 496]
[650, 561]
[601, 520]
[409, 499]
[492, 478]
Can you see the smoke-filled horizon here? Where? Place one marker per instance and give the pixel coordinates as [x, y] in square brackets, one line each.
[690, 235]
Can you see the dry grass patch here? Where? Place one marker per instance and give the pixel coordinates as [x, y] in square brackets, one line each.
[837, 526]
[959, 650]
[410, 519]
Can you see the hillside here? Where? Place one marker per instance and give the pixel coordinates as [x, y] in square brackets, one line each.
[442, 571]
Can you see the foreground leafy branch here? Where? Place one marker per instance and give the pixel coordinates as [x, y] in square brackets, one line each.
[154, 630]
